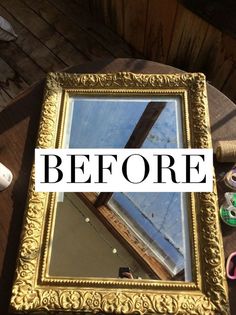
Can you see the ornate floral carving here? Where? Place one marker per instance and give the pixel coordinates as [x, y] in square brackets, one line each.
[118, 302]
[29, 293]
[213, 267]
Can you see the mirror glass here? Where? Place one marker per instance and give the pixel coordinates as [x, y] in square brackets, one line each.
[146, 235]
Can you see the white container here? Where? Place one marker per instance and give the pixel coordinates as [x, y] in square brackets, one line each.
[5, 177]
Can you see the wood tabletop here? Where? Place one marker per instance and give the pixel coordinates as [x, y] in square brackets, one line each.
[18, 130]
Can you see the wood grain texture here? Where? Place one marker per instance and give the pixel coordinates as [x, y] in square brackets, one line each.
[117, 8]
[84, 44]
[187, 39]
[90, 26]
[130, 241]
[4, 99]
[83, 5]
[159, 28]
[145, 124]
[11, 81]
[45, 32]
[227, 62]
[20, 62]
[51, 36]
[229, 86]
[221, 14]
[135, 15]
[166, 31]
[32, 46]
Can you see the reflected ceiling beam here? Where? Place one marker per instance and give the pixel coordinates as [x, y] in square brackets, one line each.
[137, 138]
[127, 237]
[179, 276]
[145, 124]
[102, 199]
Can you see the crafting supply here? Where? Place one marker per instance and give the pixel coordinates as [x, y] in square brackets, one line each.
[5, 177]
[231, 266]
[230, 179]
[226, 151]
[228, 209]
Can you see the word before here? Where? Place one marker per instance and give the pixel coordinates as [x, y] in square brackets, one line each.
[126, 170]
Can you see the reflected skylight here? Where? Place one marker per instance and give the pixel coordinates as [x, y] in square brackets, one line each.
[156, 217]
[104, 124]
[165, 131]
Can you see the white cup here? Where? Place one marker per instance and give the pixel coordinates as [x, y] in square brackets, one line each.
[5, 177]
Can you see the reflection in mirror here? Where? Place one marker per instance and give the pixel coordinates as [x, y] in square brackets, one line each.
[83, 246]
[146, 234]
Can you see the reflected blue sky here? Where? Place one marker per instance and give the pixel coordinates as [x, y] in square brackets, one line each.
[105, 123]
[100, 124]
[164, 132]
[109, 124]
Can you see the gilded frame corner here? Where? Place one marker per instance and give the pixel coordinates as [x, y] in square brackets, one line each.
[207, 294]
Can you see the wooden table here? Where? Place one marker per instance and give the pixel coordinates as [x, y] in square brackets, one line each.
[18, 131]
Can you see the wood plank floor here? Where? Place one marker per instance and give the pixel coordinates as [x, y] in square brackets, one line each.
[52, 35]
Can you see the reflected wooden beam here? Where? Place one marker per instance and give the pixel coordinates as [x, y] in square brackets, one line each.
[102, 199]
[127, 237]
[145, 124]
[179, 276]
[137, 138]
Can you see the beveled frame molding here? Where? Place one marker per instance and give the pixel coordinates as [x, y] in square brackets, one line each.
[33, 290]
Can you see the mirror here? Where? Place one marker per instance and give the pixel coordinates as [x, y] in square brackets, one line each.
[157, 220]
[122, 252]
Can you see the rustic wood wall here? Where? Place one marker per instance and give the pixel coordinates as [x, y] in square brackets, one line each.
[167, 32]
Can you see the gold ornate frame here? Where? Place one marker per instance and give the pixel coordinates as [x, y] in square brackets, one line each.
[34, 290]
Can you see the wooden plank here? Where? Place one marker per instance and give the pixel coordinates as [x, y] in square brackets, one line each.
[96, 9]
[44, 32]
[99, 9]
[20, 62]
[68, 29]
[117, 7]
[84, 5]
[159, 29]
[96, 30]
[221, 14]
[138, 136]
[229, 86]
[135, 18]
[32, 46]
[188, 36]
[145, 123]
[112, 12]
[100, 33]
[5, 99]
[182, 20]
[206, 61]
[10, 81]
[219, 77]
[218, 63]
[124, 234]
[223, 61]
[106, 11]
[102, 199]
